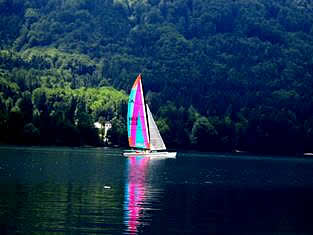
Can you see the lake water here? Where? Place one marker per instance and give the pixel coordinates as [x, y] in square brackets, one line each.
[96, 191]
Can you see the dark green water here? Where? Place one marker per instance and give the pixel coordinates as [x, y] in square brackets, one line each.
[92, 191]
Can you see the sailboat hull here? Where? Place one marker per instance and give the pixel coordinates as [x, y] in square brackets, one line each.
[150, 154]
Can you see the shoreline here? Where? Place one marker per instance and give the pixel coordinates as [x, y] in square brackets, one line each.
[180, 152]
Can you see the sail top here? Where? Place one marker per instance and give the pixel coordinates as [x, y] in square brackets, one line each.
[137, 126]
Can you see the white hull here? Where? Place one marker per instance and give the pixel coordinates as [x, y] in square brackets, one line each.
[150, 154]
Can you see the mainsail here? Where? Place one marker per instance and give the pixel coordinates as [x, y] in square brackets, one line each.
[156, 141]
[138, 135]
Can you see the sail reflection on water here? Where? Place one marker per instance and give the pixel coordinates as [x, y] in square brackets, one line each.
[135, 192]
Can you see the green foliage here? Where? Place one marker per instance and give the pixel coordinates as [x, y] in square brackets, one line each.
[203, 134]
[118, 134]
[237, 73]
[60, 116]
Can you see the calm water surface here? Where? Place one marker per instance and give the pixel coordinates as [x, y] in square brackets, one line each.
[92, 191]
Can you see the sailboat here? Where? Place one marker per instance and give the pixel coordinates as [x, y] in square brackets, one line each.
[143, 134]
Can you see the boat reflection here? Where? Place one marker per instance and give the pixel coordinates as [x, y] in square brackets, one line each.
[135, 192]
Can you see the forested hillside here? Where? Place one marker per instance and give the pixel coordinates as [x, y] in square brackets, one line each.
[219, 75]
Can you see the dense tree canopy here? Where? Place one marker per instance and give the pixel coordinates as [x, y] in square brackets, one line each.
[219, 75]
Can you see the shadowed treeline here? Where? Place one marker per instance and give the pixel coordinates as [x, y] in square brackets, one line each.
[218, 75]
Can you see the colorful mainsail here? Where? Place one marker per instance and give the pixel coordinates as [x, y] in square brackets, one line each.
[137, 126]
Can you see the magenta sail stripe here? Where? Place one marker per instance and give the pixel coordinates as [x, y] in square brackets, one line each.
[143, 117]
[144, 123]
